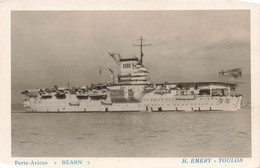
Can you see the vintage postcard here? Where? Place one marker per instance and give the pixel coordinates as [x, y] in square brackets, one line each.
[129, 84]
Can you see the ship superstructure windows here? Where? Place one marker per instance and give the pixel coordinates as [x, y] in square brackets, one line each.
[219, 92]
[127, 65]
[132, 73]
[204, 92]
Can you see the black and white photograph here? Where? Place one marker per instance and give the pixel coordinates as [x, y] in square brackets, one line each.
[92, 84]
[131, 83]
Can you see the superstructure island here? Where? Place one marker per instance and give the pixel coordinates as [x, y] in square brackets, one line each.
[133, 91]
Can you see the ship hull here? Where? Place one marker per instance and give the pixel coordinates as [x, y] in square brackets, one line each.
[158, 103]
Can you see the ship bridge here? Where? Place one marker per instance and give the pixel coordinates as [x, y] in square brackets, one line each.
[132, 70]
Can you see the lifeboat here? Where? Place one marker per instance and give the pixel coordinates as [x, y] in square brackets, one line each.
[46, 96]
[98, 97]
[82, 95]
[98, 94]
[60, 95]
[32, 95]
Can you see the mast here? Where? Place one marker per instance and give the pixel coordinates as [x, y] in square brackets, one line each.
[141, 45]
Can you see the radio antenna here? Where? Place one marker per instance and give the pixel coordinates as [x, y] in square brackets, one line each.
[141, 45]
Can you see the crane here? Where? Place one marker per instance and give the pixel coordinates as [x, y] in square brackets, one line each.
[116, 57]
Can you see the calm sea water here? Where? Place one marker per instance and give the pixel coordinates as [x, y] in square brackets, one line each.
[132, 134]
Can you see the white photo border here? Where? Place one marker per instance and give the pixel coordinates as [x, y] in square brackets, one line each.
[73, 5]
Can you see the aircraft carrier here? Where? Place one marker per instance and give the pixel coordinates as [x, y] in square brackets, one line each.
[133, 91]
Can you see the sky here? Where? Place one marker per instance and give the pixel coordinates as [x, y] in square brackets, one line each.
[56, 47]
